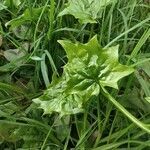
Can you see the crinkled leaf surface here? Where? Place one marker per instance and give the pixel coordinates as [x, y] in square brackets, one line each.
[87, 11]
[89, 68]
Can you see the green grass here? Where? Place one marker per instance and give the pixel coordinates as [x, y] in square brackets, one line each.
[30, 55]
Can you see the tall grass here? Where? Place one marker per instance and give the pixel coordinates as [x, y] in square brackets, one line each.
[26, 71]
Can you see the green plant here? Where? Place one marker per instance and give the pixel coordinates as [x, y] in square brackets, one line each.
[33, 65]
[89, 69]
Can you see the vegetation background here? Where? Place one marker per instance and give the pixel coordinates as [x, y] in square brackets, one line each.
[30, 54]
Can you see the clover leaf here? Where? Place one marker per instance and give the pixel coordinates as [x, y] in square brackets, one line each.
[89, 68]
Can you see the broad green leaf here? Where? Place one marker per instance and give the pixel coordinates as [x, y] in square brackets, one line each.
[26, 17]
[56, 100]
[87, 11]
[89, 68]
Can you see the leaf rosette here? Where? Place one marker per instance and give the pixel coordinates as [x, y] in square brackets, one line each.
[89, 68]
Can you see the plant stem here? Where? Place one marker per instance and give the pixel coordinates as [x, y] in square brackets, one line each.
[124, 111]
[99, 122]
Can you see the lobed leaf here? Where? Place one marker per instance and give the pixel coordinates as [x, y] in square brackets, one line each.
[87, 11]
[89, 68]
